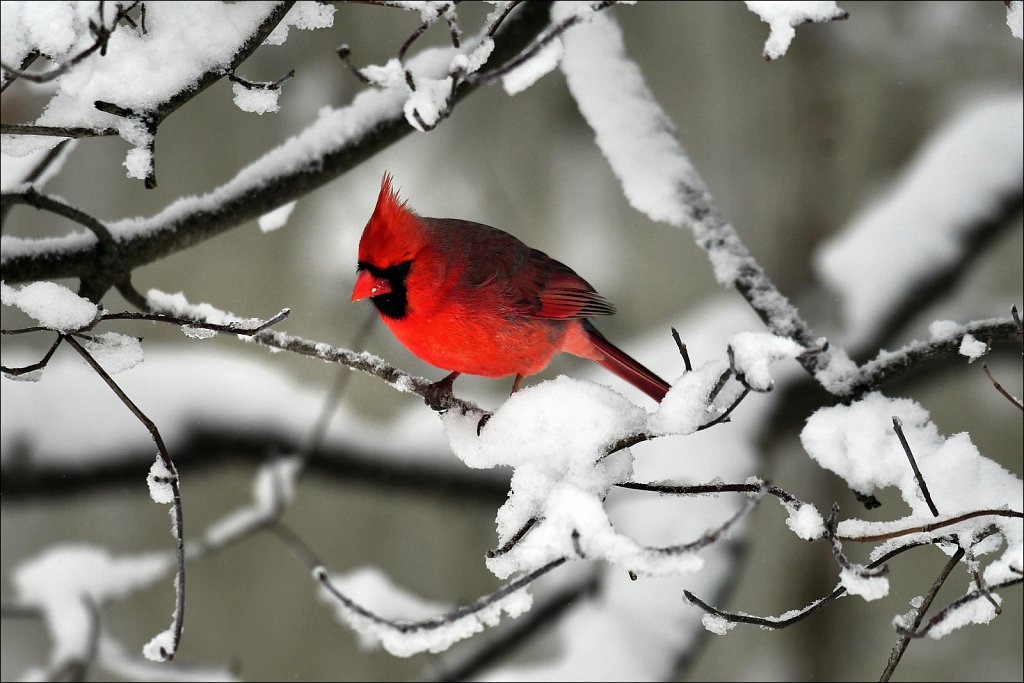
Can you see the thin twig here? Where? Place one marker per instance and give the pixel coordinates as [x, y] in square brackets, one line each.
[837, 550]
[777, 623]
[999, 387]
[55, 131]
[178, 620]
[904, 641]
[682, 349]
[897, 425]
[724, 417]
[946, 611]
[927, 528]
[15, 372]
[712, 489]
[32, 197]
[543, 41]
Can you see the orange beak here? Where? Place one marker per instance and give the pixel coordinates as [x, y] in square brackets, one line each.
[369, 285]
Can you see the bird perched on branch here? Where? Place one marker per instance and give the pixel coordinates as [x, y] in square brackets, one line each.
[472, 299]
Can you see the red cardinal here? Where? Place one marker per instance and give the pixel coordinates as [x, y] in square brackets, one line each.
[473, 299]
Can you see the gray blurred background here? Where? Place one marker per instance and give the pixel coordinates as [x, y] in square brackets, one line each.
[791, 150]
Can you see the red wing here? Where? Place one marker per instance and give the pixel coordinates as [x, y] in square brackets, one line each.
[551, 289]
[532, 283]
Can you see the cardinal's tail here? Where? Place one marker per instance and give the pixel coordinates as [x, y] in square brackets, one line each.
[625, 366]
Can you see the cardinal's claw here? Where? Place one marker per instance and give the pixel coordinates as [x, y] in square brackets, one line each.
[483, 421]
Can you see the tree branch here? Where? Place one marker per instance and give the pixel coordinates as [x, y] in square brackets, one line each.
[249, 196]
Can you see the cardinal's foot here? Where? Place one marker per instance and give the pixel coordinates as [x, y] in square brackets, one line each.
[439, 394]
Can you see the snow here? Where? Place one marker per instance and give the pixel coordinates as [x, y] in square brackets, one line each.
[276, 218]
[532, 70]
[866, 586]
[159, 481]
[716, 624]
[634, 134]
[972, 348]
[375, 591]
[685, 407]
[1015, 18]
[53, 306]
[805, 521]
[754, 352]
[959, 179]
[67, 582]
[404, 636]
[782, 17]
[858, 443]
[15, 169]
[160, 647]
[979, 611]
[135, 74]
[941, 330]
[306, 15]
[256, 100]
[554, 435]
[114, 352]
[638, 139]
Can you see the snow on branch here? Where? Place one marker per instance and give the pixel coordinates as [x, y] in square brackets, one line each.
[126, 90]
[338, 141]
[783, 17]
[638, 140]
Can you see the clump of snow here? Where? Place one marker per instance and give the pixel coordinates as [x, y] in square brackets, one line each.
[115, 352]
[139, 162]
[532, 70]
[391, 74]
[160, 648]
[549, 433]
[716, 624]
[159, 481]
[866, 586]
[555, 436]
[256, 100]
[685, 406]
[805, 521]
[54, 306]
[277, 218]
[857, 442]
[754, 352]
[782, 17]
[972, 348]
[52, 28]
